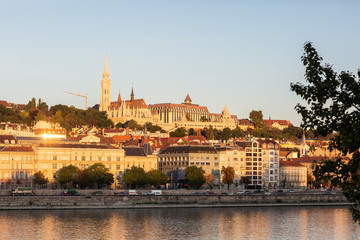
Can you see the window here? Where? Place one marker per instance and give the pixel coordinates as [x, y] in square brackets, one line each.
[99, 158]
[207, 163]
[54, 157]
[109, 159]
[54, 166]
[117, 167]
[117, 158]
[83, 158]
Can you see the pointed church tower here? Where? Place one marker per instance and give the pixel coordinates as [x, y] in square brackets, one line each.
[132, 94]
[105, 89]
[119, 98]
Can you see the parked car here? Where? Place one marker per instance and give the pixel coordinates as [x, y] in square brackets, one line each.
[133, 192]
[292, 190]
[248, 192]
[266, 192]
[209, 193]
[280, 191]
[120, 193]
[196, 193]
[70, 192]
[240, 192]
[98, 193]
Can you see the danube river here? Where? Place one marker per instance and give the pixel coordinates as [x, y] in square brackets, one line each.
[181, 223]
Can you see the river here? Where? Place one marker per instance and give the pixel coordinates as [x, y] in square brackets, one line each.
[181, 223]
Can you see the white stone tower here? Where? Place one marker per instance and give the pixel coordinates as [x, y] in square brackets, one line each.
[105, 89]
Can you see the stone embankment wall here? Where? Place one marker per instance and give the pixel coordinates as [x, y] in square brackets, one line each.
[145, 201]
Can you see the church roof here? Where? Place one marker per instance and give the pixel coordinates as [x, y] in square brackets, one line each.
[187, 99]
[170, 106]
[136, 103]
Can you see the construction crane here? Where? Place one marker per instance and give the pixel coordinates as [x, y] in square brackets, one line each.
[77, 94]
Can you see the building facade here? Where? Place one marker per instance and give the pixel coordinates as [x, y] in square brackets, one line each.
[292, 175]
[270, 157]
[253, 162]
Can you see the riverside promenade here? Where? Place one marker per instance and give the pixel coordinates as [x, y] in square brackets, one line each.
[169, 199]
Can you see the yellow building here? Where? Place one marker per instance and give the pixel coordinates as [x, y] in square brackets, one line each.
[16, 166]
[292, 175]
[233, 157]
[175, 159]
[50, 158]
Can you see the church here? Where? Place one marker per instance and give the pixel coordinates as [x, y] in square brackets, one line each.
[123, 110]
[169, 116]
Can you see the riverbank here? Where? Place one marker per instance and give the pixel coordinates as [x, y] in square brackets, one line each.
[170, 201]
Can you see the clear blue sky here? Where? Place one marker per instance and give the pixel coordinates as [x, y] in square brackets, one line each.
[241, 53]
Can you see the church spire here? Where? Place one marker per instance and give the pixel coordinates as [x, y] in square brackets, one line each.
[132, 93]
[119, 97]
[106, 71]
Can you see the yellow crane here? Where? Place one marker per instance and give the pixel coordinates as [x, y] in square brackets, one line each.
[77, 94]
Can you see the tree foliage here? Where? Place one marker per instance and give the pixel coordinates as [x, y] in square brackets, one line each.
[228, 175]
[333, 106]
[67, 174]
[256, 117]
[156, 178]
[245, 181]
[210, 179]
[100, 176]
[39, 178]
[225, 134]
[195, 176]
[135, 177]
[179, 132]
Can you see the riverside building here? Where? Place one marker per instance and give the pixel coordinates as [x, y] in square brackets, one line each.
[253, 162]
[270, 157]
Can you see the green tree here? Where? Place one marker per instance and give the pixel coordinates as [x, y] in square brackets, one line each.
[228, 175]
[39, 178]
[237, 133]
[31, 104]
[9, 115]
[100, 176]
[132, 124]
[333, 106]
[156, 177]
[256, 117]
[66, 175]
[119, 125]
[42, 106]
[195, 176]
[135, 177]
[225, 134]
[179, 132]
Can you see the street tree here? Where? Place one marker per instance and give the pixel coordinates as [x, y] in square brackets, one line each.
[195, 176]
[333, 106]
[135, 177]
[66, 175]
[40, 179]
[245, 181]
[228, 175]
[156, 178]
[100, 176]
[256, 117]
[210, 179]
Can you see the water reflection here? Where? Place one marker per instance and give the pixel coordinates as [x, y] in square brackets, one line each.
[218, 223]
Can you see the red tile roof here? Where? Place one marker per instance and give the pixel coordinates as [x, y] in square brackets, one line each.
[136, 103]
[291, 164]
[17, 149]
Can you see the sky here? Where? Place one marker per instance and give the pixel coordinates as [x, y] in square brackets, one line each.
[241, 53]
